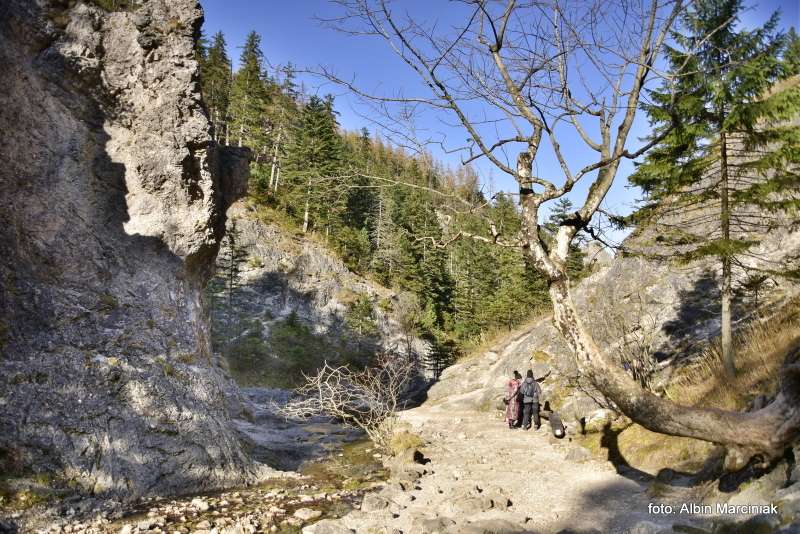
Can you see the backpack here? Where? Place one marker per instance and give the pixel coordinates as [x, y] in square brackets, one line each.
[530, 390]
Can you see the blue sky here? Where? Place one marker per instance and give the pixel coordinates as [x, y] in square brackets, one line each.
[291, 33]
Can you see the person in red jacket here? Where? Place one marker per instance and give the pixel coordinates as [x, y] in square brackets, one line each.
[512, 400]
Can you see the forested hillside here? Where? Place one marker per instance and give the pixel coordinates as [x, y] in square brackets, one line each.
[386, 212]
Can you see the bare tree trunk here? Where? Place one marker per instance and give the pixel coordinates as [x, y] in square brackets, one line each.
[308, 206]
[277, 179]
[725, 224]
[241, 125]
[767, 431]
[380, 224]
[272, 175]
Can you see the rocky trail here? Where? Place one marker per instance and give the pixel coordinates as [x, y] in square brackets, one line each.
[478, 476]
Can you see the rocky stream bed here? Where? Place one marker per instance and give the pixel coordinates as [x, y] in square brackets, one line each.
[325, 470]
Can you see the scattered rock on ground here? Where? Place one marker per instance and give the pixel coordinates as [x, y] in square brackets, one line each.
[307, 514]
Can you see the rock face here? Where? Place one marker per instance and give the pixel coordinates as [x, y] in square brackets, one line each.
[112, 206]
[288, 280]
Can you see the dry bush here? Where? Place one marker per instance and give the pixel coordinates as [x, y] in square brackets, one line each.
[367, 399]
[405, 440]
[632, 335]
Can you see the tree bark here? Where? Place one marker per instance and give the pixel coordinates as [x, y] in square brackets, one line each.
[764, 432]
[725, 226]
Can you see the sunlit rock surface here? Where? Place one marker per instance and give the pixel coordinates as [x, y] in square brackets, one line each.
[112, 206]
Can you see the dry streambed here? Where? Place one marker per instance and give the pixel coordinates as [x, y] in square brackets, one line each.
[326, 488]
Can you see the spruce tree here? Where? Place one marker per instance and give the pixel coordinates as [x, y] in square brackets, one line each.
[716, 182]
[791, 56]
[312, 162]
[249, 99]
[223, 287]
[216, 85]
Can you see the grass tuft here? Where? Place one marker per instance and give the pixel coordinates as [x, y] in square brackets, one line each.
[403, 441]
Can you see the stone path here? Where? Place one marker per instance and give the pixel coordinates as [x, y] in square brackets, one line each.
[483, 477]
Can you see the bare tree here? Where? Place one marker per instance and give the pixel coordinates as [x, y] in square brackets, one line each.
[367, 399]
[519, 77]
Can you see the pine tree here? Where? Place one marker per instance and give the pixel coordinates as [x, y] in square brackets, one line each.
[249, 99]
[281, 115]
[719, 172]
[384, 236]
[216, 85]
[288, 84]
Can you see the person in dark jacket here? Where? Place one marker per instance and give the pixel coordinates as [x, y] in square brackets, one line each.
[530, 392]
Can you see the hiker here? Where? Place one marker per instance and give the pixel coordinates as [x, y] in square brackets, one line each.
[530, 392]
[512, 399]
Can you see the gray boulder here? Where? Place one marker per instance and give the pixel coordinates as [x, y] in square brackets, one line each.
[647, 527]
[327, 526]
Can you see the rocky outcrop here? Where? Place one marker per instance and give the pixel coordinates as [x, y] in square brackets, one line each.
[112, 206]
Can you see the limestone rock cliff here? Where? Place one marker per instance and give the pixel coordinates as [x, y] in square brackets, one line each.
[112, 206]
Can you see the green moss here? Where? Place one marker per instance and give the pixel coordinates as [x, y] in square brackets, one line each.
[540, 356]
[355, 470]
[385, 305]
[107, 302]
[188, 358]
[114, 5]
[151, 324]
[21, 493]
